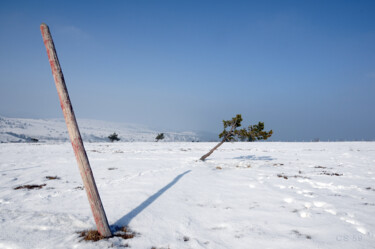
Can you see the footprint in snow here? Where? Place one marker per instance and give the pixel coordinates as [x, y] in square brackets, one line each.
[346, 217]
[304, 213]
[355, 223]
[306, 193]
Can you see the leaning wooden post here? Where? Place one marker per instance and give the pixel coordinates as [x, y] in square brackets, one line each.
[75, 136]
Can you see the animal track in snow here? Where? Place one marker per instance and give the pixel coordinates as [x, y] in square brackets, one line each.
[357, 225]
[306, 193]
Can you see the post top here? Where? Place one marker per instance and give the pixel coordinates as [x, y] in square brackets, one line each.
[43, 25]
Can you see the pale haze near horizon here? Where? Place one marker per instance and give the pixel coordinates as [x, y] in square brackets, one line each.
[305, 68]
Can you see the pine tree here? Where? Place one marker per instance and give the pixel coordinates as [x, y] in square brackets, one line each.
[226, 135]
[113, 137]
[160, 136]
[252, 133]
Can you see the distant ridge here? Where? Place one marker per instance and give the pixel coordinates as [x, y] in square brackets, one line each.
[54, 130]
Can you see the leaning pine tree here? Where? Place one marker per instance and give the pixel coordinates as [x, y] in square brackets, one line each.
[252, 133]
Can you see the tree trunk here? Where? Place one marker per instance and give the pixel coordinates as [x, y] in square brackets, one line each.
[219, 144]
[212, 150]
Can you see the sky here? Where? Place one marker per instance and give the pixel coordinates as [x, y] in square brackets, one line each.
[304, 68]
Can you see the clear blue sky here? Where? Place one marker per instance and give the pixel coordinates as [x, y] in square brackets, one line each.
[305, 68]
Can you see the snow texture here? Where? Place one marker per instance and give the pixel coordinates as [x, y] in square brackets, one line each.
[245, 195]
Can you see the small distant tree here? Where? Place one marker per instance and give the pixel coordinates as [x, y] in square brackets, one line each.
[113, 137]
[232, 133]
[160, 136]
[32, 140]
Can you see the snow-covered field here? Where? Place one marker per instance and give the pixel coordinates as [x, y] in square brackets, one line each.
[246, 195]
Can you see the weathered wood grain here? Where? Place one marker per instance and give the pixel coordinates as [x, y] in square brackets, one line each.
[75, 136]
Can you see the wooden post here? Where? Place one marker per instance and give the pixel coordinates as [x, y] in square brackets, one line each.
[75, 136]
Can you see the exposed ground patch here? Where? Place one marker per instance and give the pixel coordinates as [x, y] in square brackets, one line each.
[53, 178]
[282, 175]
[299, 235]
[330, 173]
[95, 151]
[94, 235]
[33, 186]
[320, 167]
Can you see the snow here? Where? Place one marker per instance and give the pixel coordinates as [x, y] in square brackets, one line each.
[245, 195]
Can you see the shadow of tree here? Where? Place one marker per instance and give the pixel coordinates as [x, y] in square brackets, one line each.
[252, 157]
[125, 220]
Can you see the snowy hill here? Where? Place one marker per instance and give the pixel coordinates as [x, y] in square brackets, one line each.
[54, 130]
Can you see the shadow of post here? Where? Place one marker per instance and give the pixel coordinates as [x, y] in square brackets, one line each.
[125, 220]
